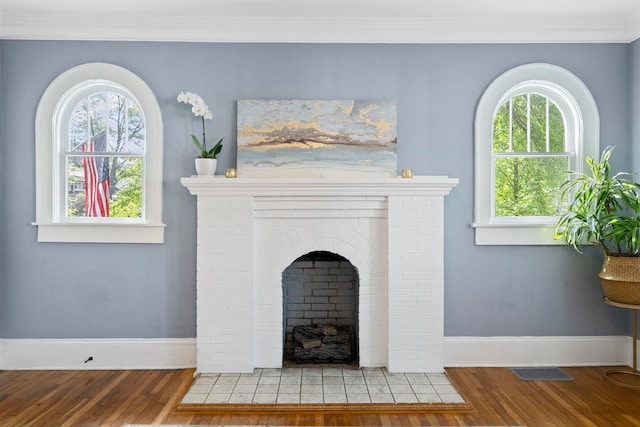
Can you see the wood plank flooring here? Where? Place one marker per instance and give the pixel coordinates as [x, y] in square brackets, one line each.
[497, 396]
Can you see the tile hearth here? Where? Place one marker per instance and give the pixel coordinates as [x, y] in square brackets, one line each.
[321, 385]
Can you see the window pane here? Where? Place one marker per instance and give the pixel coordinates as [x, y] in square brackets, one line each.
[501, 129]
[529, 186]
[538, 120]
[97, 113]
[78, 127]
[135, 129]
[519, 123]
[127, 190]
[104, 186]
[117, 110]
[75, 187]
[556, 130]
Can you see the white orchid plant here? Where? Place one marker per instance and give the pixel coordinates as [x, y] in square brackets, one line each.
[200, 109]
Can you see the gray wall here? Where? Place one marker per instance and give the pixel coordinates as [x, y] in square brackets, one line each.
[635, 110]
[3, 255]
[127, 291]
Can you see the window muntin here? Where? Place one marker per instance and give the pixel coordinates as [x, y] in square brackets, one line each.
[529, 122]
[109, 110]
[109, 124]
[530, 160]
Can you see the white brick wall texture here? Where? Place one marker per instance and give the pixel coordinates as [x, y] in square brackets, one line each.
[246, 242]
[416, 288]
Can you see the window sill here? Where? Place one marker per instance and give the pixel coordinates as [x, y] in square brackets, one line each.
[102, 233]
[516, 234]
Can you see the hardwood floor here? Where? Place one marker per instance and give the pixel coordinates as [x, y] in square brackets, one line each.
[114, 398]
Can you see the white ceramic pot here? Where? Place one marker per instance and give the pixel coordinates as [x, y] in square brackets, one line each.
[206, 166]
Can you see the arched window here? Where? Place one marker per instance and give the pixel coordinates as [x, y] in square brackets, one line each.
[533, 124]
[99, 158]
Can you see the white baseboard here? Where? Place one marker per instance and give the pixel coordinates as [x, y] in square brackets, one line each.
[176, 353]
[537, 351]
[166, 353]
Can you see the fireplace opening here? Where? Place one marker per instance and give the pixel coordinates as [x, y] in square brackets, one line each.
[320, 310]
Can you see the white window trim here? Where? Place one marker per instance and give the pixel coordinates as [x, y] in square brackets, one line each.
[51, 228]
[488, 230]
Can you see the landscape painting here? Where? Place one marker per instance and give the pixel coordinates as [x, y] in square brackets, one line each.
[317, 138]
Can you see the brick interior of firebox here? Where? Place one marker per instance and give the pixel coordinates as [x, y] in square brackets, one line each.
[321, 297]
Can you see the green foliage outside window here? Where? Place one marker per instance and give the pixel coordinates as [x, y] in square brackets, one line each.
[530, 159]
[127, 202]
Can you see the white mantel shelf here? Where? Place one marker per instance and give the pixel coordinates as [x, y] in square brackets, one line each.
[416, 186]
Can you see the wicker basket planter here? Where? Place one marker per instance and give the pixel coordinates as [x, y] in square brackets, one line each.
[620, 279]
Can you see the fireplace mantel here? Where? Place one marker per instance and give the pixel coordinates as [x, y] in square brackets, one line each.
[222, 186]
[250, 230]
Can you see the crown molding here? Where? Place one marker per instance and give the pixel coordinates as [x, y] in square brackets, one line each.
[324, 21]
[635, 23]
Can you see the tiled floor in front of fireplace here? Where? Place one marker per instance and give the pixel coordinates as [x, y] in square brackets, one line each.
[322, 385]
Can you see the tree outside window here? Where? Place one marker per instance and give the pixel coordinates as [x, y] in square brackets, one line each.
[530, 158]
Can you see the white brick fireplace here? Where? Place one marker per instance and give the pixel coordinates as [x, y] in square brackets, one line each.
[251, 230]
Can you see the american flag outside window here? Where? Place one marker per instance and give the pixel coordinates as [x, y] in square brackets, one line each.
[96, 177]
